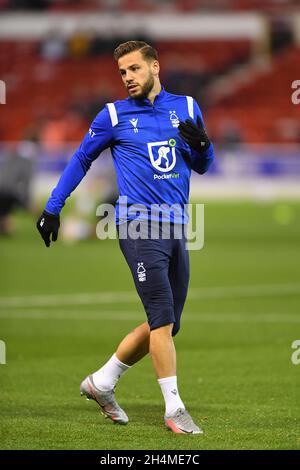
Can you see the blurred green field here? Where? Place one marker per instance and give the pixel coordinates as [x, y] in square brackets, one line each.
[234, 350]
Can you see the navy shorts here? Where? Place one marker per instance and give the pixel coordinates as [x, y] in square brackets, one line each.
[160, 269]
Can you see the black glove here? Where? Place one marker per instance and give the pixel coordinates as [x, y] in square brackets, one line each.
[48, 224]
[194, 135]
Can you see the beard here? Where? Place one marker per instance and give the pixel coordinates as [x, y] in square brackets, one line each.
[145, 89]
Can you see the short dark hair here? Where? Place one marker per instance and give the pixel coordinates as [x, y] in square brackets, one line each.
[148, 52]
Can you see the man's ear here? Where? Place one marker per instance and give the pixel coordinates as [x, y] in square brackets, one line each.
[155, 67]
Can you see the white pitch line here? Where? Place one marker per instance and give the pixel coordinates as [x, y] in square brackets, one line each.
[119, 315]
[260, 290]
[225, 292]
[69, 299]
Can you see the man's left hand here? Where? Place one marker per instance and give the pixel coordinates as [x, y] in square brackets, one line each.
[194, 135]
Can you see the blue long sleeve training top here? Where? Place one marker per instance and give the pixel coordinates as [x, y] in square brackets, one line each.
[153, 163]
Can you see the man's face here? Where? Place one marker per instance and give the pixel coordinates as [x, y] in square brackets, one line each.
[137, 74]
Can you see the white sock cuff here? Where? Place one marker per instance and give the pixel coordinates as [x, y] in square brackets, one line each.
[167, 379]
[120, 364]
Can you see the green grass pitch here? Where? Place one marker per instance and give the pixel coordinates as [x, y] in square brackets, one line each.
[234, 350]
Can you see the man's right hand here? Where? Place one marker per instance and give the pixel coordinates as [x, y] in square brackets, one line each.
[48, 224]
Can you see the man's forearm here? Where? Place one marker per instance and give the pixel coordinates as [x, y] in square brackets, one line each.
[69, 180]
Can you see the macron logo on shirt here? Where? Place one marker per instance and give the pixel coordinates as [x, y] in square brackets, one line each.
[134, 123]
[91, 132]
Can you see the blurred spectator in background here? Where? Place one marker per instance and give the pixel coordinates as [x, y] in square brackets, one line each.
[62, 128]
[80, 44]
[53, 47]
[53, 133]
[16, 175]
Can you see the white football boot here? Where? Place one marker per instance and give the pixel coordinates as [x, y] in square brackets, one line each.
[181, 423]
[105, 399]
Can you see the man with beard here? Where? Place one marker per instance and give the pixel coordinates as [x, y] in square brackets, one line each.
[156, 139]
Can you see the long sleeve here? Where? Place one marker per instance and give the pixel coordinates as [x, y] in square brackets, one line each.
[98, 138]
[201, 162]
